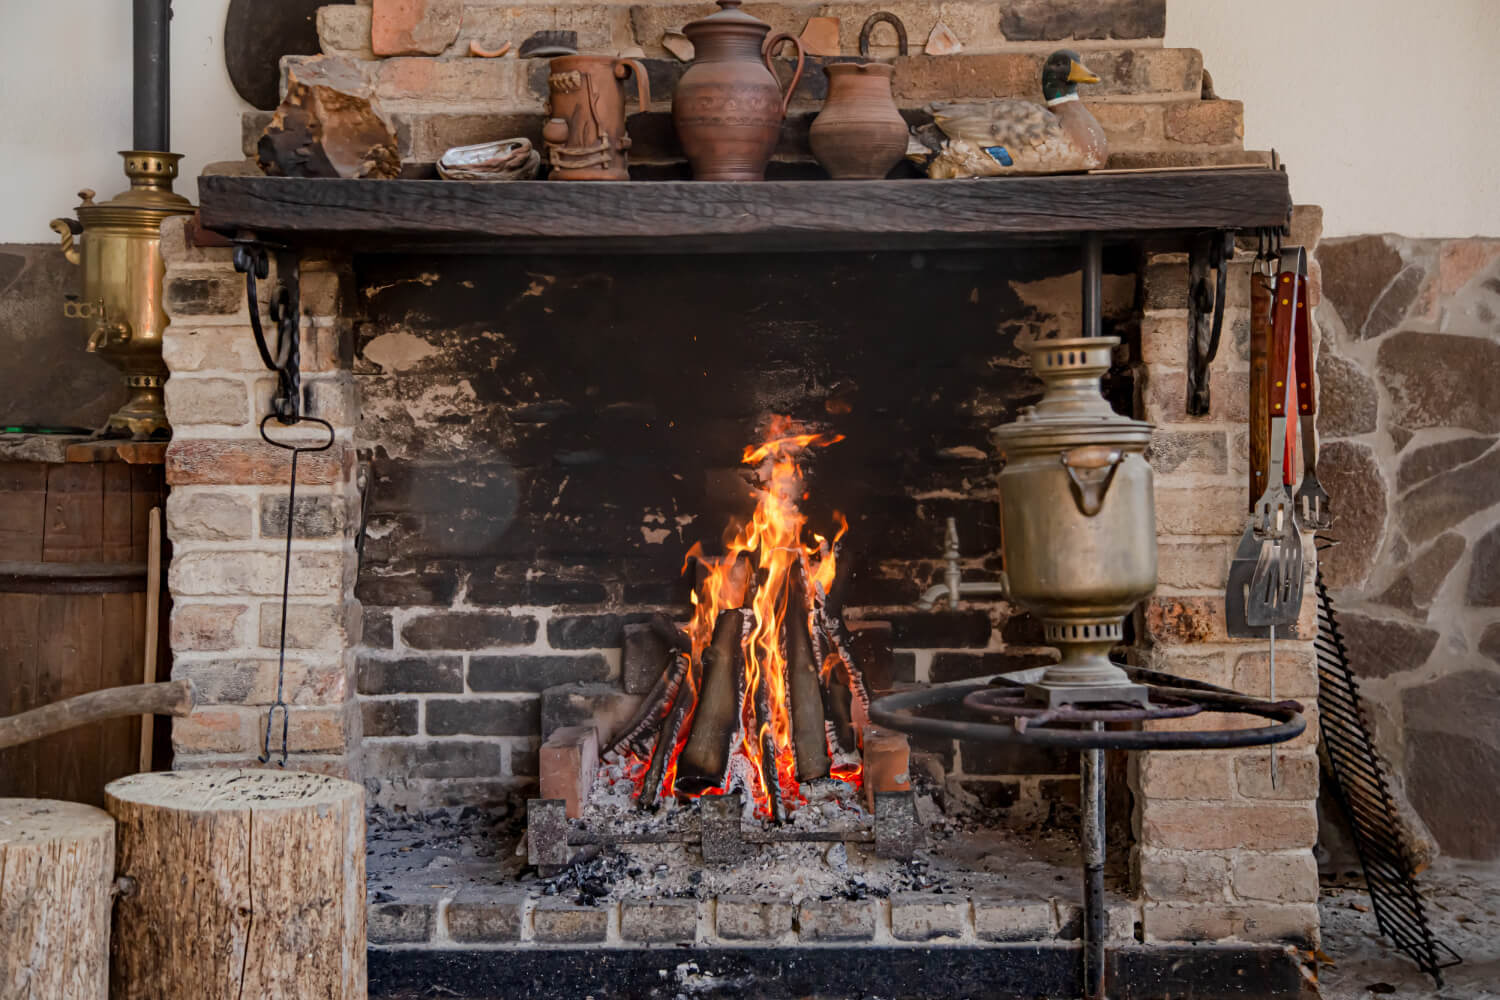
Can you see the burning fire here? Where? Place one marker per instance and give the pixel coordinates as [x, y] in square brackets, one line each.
[770, 572]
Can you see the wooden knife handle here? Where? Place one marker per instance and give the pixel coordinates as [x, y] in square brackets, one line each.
[1283, 392]
[1260, 383]
[1307, 404]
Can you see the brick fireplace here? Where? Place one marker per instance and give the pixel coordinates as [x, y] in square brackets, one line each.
[527, 445]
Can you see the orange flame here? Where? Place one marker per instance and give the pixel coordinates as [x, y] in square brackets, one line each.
[771, 544]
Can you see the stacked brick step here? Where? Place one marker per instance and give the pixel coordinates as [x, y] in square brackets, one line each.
[1150, 99]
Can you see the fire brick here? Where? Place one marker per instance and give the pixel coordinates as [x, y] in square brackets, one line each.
[556, 921]
[466, 630]
[605, 705]
[534, 673]
[481, 717]
[568, 761]
[887, 757]
[1006, 919]
[400, 923]
[411, 675]
[746, 918]
[923, 916]
[659, 921]
[389, 718]
[836, 920]
[477, 917]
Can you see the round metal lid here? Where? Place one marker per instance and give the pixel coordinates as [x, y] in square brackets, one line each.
[1073, 411]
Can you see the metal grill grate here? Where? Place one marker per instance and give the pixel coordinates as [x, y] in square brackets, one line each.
[1358, 782]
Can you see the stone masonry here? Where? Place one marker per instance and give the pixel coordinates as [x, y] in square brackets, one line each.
[1411, 424]
[430, 680]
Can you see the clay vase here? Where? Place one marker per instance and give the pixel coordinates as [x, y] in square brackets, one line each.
[585, 130]
[859, 134]
[728, 106]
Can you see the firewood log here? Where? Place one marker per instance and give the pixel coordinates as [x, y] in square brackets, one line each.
[666, 740]
[809, 738]
[704, 761]
[637, 734]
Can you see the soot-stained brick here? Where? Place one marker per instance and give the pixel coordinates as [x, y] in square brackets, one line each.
[961, 666]
[590, 631]
[534, 673]
[482, 717]
[468, 630]
[411, 675]
[938, 629]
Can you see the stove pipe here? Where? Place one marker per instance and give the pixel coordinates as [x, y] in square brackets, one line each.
[152, 74]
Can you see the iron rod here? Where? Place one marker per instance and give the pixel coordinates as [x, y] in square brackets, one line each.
[1093, 285]
[1095, 913]
[152, 84]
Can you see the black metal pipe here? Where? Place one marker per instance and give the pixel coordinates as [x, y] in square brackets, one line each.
[1095, 913]
[1093, 285]
[152, 75]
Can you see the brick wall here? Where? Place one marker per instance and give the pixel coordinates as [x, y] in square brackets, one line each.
[436, 96]
[1219, 852]
[226, 517]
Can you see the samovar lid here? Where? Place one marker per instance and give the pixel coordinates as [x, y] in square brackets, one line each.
[1072, 411]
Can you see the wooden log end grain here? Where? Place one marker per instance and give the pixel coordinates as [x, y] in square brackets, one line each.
[57, 863]
[245, 883]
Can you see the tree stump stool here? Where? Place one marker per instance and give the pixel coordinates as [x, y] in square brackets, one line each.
[57, 865]
[243, 883]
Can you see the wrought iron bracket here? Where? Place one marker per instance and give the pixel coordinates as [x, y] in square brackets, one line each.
[251, 260]
[1205, 311]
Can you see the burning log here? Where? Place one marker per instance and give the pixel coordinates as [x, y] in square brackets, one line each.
[666, 739]
[704, 761]
[767, 744]
[838, 707]
[636, 736]
[809, 737]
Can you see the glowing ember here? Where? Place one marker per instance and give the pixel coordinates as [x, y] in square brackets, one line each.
[777, 577]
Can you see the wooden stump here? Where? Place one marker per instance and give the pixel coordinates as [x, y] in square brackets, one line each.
[247, 883]
[57, 863]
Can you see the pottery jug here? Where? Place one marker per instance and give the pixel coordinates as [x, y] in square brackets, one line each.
[859, 134]
[728, 106]
[585, 130]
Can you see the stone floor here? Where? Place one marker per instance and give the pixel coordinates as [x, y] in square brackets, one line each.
[1463, 904]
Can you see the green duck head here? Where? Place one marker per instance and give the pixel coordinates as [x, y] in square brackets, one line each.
[1062, 74]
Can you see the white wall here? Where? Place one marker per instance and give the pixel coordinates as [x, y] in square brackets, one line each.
[1383, 110]
[65, 102]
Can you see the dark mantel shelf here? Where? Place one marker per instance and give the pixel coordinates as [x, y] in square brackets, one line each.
[400, 216]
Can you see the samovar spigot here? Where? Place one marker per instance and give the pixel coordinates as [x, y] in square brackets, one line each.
[954, 587]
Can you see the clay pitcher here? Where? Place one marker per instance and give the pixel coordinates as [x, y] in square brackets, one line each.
[859, 134]
[728, 106]
[585, 130]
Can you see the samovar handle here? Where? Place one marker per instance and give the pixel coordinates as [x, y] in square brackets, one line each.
[68, 228]
[1090, 470]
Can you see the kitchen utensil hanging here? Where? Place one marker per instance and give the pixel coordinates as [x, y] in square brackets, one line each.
[286, 574]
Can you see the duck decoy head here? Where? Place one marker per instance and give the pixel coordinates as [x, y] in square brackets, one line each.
[1062, 73]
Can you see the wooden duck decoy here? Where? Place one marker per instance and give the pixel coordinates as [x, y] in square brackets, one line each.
[1010, 136]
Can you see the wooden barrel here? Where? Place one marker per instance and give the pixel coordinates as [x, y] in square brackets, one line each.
[73, 542]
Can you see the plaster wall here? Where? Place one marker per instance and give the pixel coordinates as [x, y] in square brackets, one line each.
[1381, 116]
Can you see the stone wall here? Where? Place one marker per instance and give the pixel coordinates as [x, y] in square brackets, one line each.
[1410, 376]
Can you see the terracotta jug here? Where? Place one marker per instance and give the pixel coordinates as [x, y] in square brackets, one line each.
[585, 130]
[728, 106]
[859, 134]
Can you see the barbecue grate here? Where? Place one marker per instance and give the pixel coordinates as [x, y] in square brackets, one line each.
[1358, 782]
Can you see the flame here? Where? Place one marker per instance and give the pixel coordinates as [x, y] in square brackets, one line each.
[759, 556]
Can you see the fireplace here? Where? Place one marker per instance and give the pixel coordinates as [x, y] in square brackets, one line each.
[535, 537]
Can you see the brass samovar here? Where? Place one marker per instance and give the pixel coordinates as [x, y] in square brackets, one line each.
[1078, 517]
[117, 244]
